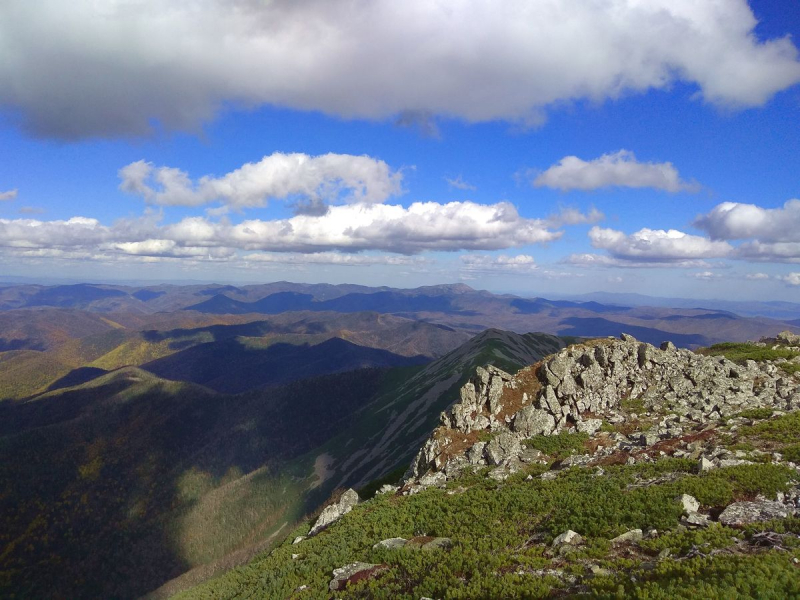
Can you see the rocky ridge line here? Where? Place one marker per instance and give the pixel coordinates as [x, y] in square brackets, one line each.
[582, 386]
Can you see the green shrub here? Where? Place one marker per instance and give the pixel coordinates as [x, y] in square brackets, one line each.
[558, 446]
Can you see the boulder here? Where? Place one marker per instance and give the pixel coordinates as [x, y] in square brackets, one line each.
[391, 543]
[629, 537]
[689, 503]
[335, 511]
[353, 572]
[743, 513]
[502, 447]
[530, 421]
[569, 537]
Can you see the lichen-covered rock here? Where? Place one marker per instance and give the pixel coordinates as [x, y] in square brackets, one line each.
[335, 511]
[743, 513]
[629, 537]
[568, 537]
[391, 543]
[502, 447]
[357, 571]
[530, 421]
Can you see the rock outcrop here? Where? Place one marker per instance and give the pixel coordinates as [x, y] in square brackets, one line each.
[584, 385]
[332, 513]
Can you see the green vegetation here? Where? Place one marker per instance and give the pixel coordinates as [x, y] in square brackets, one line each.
[784, 429]
[558, 446]
[756, 413]
[741, 352]
[501, 536]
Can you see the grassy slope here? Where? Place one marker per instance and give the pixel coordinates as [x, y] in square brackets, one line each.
[502, 536]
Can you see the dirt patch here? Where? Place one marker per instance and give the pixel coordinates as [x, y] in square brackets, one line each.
[528, 383]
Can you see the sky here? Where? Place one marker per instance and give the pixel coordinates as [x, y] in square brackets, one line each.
[539, 148]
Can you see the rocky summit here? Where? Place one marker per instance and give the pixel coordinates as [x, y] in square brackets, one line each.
[660, 395]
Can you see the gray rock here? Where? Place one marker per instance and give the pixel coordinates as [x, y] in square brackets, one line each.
[438, 543]
[298, 539]
[629, 537]
[391, 543]
[568, 537]
[689, 503]
[433, 479]
[530, 455]
[743, 513]
[335, 511]
[788, 337]
[388, 489]
[502, 447]
[704, 464]
[530, 421]
[695, 519]
[590, 426]
[356, 571]
[475, 454]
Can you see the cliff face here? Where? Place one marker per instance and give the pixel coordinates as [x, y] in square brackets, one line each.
[655, 394]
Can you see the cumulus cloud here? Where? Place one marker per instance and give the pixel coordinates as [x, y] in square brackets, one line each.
[735, 221]
[618, 169]
[481, 263]
[657, 245]
[756, 251]
[311, 180]
[756, 276]
[9, 195]
[791, 279]
[350, 228]
[132, 62]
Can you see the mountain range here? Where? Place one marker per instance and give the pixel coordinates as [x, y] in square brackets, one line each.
[186, 429]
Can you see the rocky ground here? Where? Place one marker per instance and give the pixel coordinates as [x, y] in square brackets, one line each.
[632, 401]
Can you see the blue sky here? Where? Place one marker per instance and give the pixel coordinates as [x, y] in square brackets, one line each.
[538, 148]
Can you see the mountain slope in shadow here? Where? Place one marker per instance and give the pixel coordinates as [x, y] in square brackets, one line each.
[231, 366]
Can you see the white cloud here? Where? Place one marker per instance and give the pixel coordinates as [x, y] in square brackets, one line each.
[755, 251]
[791, 279]
[589, 260]
[735, 221]
[573, 216]
[706, 275]
[351, 228]
[481, 263]
[619, 169]
[756, 276]
[459, 184]
[657, 245]
[9, 195]
[131, 62]
[314, 179]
